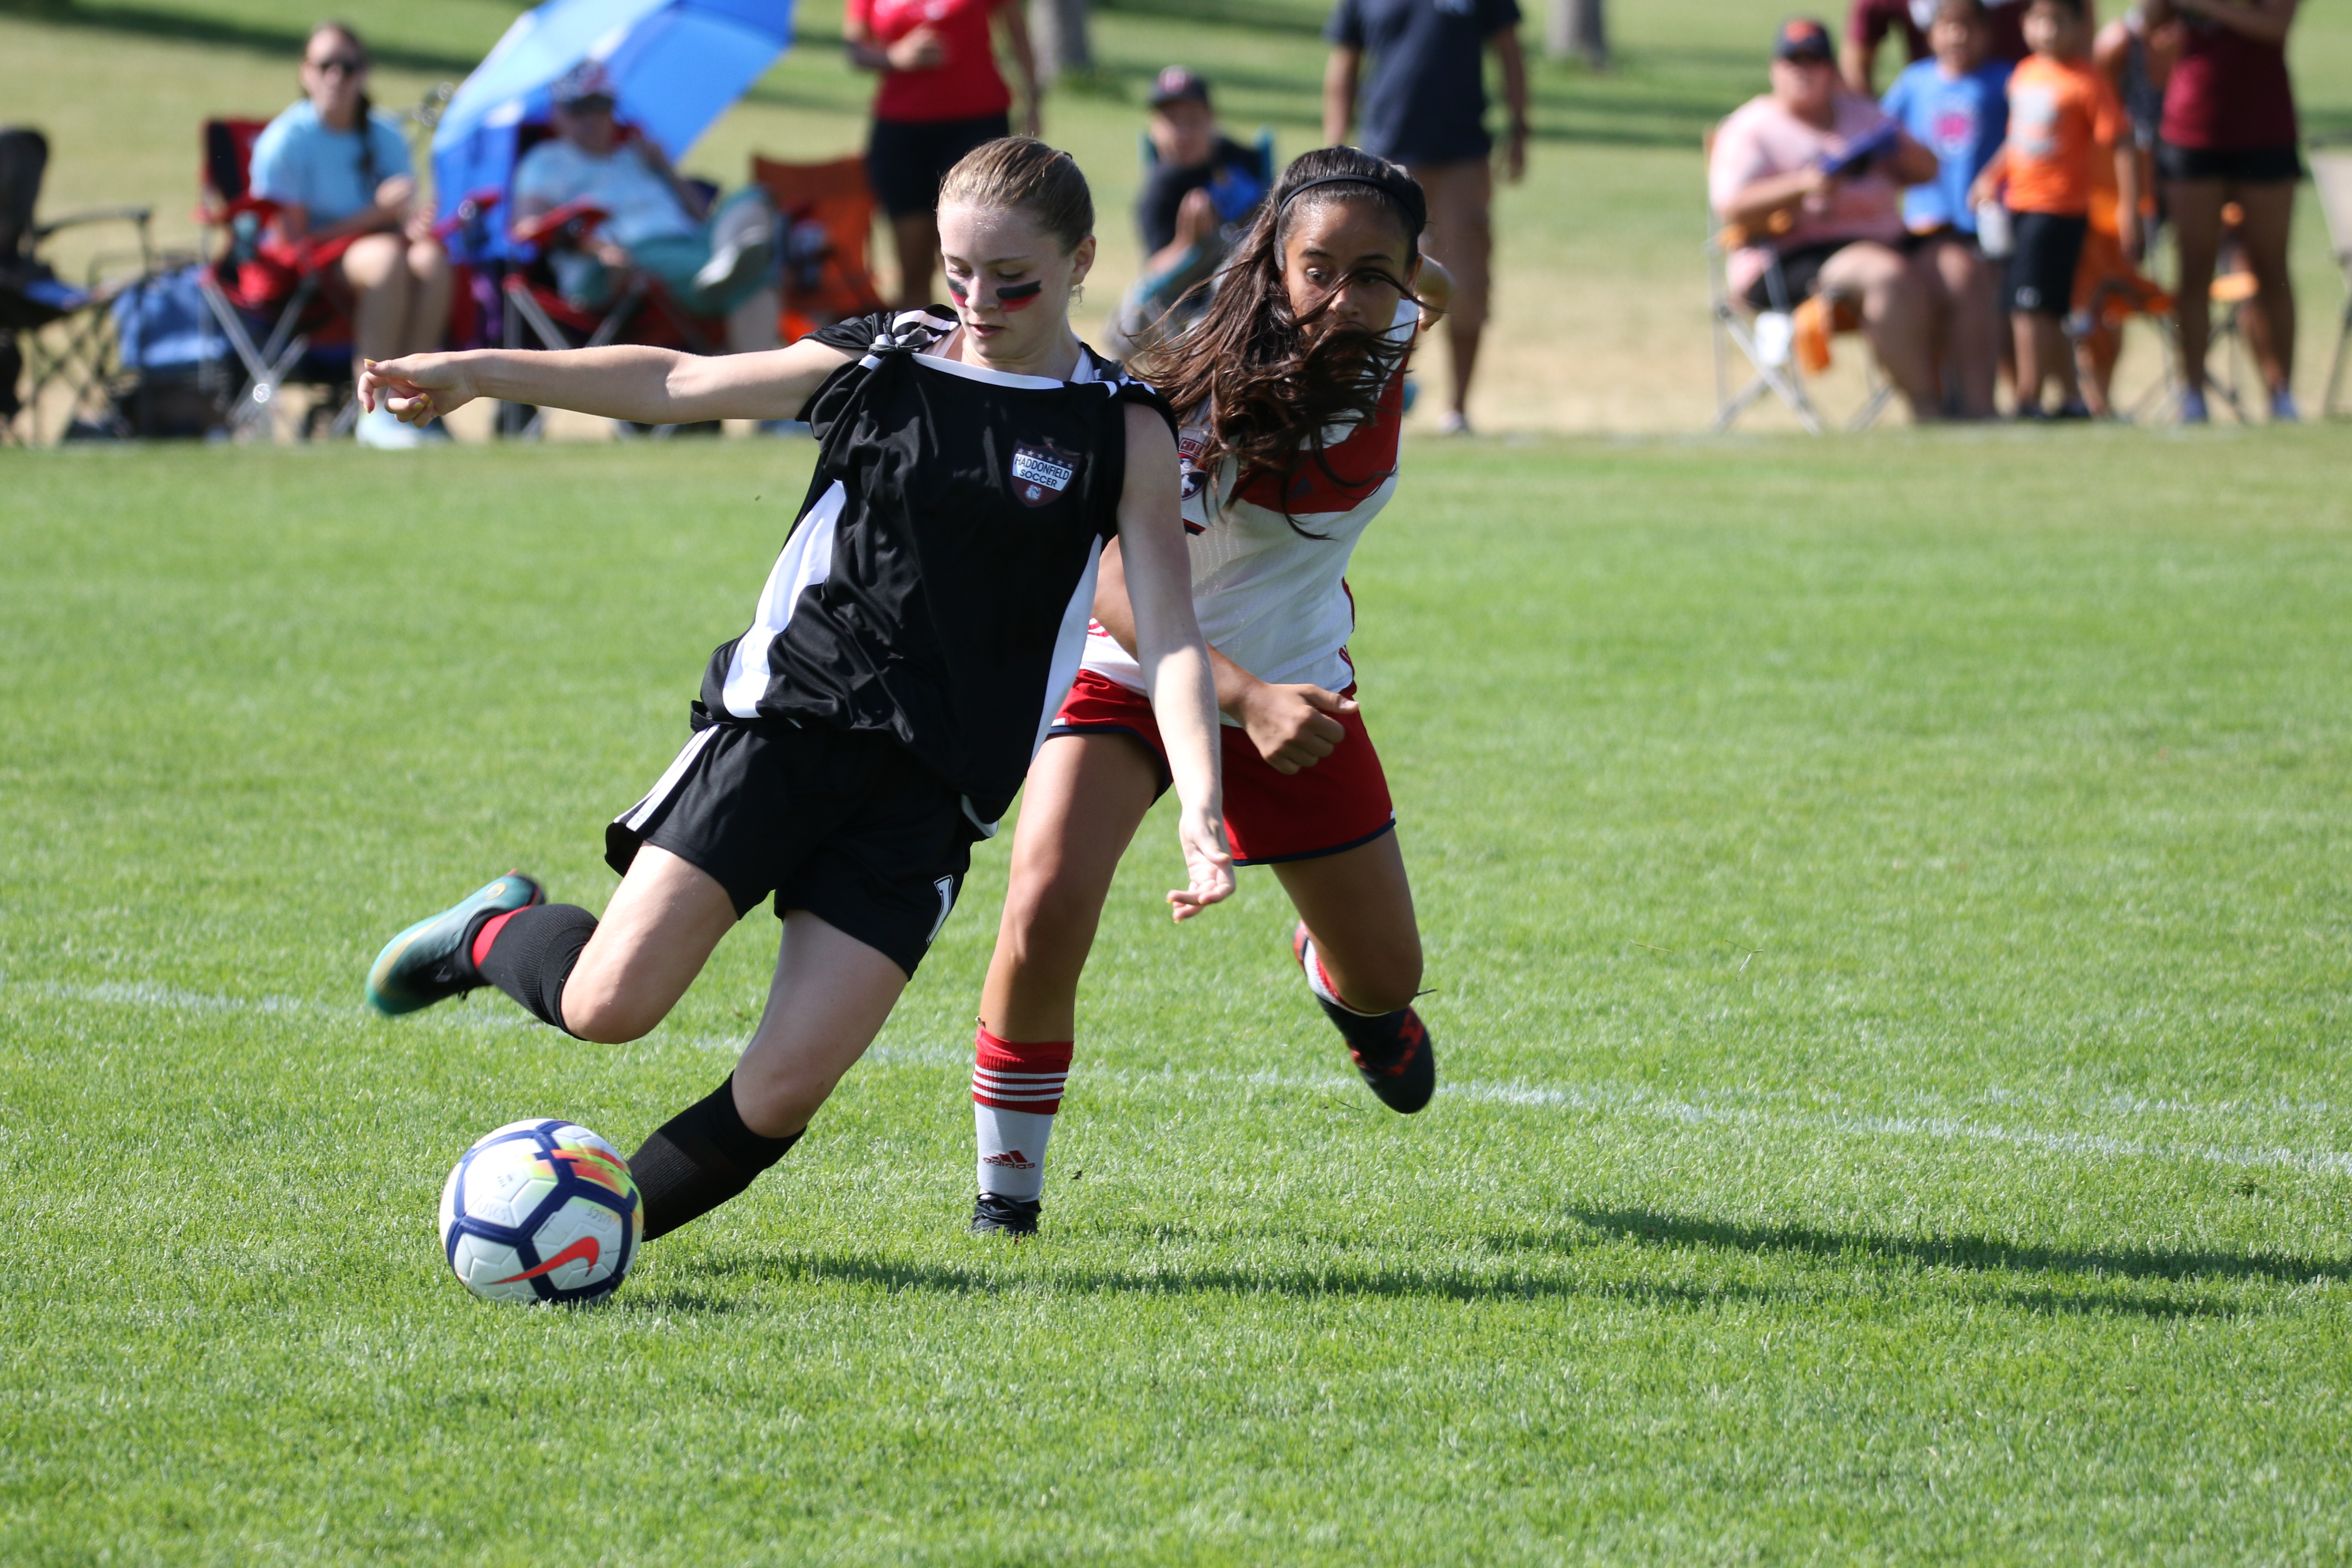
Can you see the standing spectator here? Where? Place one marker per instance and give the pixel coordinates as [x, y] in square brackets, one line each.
[1203, 188]
[1425, 108]
[1869, 22]
[713, 264]
[2136, 59]
[2229, 134]
[941, 96]
[338, 168]
[1818, 171]
[2063, 119]
[1956, 105]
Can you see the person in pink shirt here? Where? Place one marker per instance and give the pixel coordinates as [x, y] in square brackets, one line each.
[1814, 174]
[941, 96]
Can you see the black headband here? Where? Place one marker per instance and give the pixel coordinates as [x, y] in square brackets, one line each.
[1402, 189]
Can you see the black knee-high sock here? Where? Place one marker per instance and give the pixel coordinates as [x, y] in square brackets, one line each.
[533, 956]
[701, 1158]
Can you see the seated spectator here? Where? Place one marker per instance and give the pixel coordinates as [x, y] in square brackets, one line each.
[1812, 173]
[1200, 193]
[1869, 22]
[1956, 105]
[338, 169]
[713, 263]
[2063, 122]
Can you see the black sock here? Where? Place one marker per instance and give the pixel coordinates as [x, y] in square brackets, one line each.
[701, 1158]
[534, 954]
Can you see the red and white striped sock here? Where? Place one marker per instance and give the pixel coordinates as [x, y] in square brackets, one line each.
[1016, 1088]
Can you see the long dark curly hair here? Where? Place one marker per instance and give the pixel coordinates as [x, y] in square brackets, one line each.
[1268, 380]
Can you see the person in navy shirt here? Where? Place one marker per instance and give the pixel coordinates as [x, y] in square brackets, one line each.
[1426, 107]
[1955, 105]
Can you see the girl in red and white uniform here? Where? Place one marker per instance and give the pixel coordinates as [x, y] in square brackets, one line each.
[1291, 392]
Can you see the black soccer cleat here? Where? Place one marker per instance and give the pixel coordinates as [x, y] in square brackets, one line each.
[430, 962]
[1391, 1050]
[994, 1215]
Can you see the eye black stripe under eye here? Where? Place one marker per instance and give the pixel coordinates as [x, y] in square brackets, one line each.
[1029, 291]
[957, 290]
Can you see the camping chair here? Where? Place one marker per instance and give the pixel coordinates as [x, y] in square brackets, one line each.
[2331, 173]
[827, 212]
[282, 324]
[1776, 342]
[536, 314]
[54, 335]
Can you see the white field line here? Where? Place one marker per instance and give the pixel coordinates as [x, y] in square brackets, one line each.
[1598, 1099]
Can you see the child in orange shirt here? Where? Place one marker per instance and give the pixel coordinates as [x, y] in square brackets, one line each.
[2062, 116]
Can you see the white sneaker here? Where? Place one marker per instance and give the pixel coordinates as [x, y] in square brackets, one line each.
[384, 431]
[1454, 421]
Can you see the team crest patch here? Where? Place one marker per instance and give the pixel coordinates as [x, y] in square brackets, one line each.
[1190, 448]
[1041, 471]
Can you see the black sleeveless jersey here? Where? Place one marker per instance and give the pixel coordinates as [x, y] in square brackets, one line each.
[938, 584]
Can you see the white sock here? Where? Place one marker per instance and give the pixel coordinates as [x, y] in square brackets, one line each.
[1016, 1088]
[1320, 983]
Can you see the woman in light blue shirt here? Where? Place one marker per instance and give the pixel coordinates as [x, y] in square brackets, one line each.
[340, 175]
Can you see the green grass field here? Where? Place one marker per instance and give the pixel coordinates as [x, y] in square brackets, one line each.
[1890, 952]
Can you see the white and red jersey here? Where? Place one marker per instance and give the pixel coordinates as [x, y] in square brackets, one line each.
[1272, 600]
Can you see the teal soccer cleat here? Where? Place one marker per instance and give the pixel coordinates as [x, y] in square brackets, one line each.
[430, 961]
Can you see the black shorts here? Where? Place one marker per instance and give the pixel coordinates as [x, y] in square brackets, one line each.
[1800, 270]
[2044, 251]
[906, 159]
[2245, 165]
[848, 826]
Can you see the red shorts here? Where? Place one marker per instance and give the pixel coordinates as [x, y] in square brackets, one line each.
[1339, 803]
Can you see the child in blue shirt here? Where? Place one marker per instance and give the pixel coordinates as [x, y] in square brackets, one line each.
[1956, 106]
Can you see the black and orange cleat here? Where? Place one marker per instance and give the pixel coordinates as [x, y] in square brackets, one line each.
[1391, 1050]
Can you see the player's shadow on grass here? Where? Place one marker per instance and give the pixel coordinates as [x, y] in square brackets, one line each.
[896, 1276]
[1061, 1272]
[1982, 1254]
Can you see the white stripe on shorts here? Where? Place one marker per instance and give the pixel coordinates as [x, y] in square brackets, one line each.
[664, 788]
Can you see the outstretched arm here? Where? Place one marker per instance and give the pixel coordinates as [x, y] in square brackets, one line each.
[626, 380]
[1175, 662]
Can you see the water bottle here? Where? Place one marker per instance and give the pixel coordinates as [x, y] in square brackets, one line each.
[1992, 230]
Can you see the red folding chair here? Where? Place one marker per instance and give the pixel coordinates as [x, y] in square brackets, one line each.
[279, 304]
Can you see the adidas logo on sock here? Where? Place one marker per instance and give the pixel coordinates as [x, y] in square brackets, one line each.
[1011, 1160]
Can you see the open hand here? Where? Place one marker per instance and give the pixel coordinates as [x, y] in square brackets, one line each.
[1206, 859]
[1294, 726]
[415, 388]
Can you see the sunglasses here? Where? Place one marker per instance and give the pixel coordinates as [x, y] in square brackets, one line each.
[340, 65]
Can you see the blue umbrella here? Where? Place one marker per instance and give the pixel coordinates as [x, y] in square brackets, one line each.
[676, 66]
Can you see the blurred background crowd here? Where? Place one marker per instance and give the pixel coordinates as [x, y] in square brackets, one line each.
[1949, 209]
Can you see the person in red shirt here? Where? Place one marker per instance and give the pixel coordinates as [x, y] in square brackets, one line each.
[2229, 134]
[2063, 116]
[941, 96]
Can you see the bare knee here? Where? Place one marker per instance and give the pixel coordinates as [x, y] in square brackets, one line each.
[1379, 976]
[373, 261]
[1049, 924]
[428, 262]
[598, 1005]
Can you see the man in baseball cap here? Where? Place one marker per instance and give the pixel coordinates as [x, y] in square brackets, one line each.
[1803, 38]
[1201, 187]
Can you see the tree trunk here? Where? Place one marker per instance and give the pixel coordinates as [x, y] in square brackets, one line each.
[1577, 29]
[1057, 30]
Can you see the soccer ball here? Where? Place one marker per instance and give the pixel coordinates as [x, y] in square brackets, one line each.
[541, 1211]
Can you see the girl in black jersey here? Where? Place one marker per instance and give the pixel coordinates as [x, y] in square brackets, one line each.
[911, 645]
